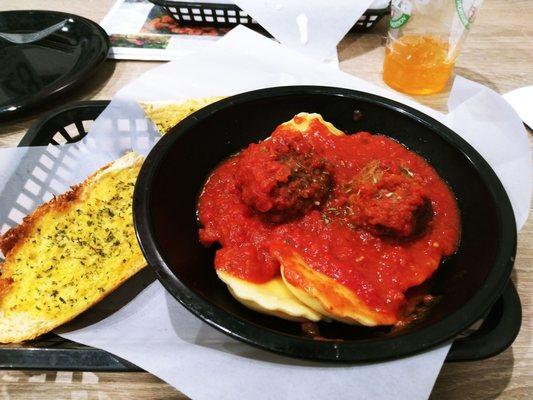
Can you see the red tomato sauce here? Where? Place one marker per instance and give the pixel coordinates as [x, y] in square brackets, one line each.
[362, 209]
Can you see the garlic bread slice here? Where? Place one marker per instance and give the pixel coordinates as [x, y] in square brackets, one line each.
[69, 253]
[166, 114]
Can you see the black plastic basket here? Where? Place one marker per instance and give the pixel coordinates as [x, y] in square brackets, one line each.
[229, 15]
[69, 124]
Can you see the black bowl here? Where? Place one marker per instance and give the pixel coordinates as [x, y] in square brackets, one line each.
[170, 180]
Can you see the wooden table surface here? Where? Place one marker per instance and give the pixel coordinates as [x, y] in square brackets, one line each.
[498, 54]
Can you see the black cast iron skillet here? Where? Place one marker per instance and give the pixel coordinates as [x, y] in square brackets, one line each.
[468, 283]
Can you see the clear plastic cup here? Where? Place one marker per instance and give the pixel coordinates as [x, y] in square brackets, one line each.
[424, 42]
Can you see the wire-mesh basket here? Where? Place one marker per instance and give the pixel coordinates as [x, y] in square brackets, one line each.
[67, 124]
[228, 15]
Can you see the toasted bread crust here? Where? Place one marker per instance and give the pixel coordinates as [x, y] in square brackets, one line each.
[20, 326]
[17, 235]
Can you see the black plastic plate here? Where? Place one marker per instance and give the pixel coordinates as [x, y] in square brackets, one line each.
[34, 72]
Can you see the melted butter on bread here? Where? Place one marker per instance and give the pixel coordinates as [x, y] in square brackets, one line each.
[69, 253]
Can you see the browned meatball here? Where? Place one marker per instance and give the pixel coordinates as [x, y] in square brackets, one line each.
[282, 178]
[391, 203]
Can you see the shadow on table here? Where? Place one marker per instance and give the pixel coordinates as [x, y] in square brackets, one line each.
[476, 77]
[359, 43]
[485, 379]
[439, 101]
[524, 335]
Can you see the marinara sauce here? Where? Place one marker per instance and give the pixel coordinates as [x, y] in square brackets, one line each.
[361, 209]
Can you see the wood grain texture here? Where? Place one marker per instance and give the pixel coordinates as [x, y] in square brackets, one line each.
[498, 53]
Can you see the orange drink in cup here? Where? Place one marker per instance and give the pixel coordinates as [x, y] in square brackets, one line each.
[417, 64]
[424, 42]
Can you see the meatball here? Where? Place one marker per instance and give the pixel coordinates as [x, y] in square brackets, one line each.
[389, 201]
[282, 178]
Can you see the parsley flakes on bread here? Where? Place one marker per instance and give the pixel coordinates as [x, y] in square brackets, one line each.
[69, 253]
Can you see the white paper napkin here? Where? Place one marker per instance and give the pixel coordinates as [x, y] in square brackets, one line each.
[313, 27]
[521, 100]
[156, 333]
[474, 105]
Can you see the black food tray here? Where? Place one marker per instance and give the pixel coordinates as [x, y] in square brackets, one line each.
[69, 124]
